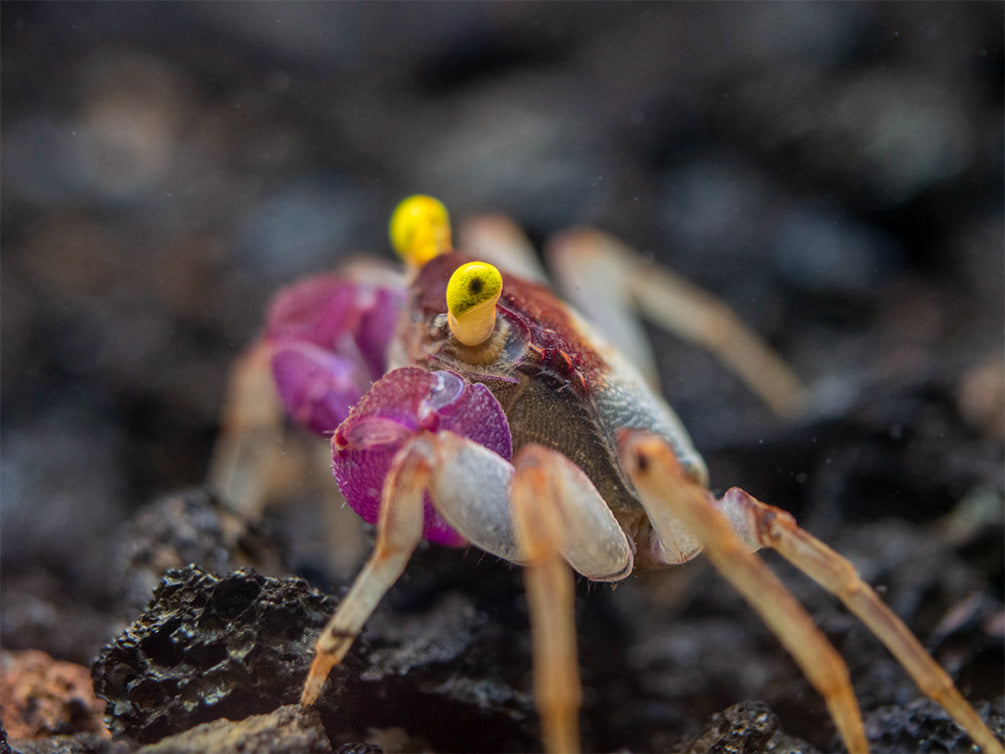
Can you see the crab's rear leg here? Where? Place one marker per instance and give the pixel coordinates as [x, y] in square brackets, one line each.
[246, 459]
[670, 499]
[500, 241]
[761, 525]
[324, 342]
[607, 280]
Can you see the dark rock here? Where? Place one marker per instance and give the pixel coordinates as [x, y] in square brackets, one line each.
[741, 729]
[188, 527]
[80, 743]
[210, 647]
[447, 667]
[923, 726]
[359, 748]
[782, 743]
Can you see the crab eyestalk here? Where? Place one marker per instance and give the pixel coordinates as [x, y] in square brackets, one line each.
[472, 293]
[420, 229]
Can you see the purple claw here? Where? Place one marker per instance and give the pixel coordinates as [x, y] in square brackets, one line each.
[316, 386]
[379, 311]
[404, 402]
[317, 310]
[329, 338]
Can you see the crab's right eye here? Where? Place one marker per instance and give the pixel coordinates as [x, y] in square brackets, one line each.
[420, 229]
[472, 293]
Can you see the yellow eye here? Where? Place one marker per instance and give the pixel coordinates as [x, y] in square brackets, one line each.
[472, 293]
[420, 229]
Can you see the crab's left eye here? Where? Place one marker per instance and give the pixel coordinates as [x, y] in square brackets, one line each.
[472, 293]
[420, 229]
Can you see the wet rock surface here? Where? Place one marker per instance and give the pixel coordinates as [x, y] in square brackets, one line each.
[209, 647]
[923, 726]
[743, 729]
[834, 172]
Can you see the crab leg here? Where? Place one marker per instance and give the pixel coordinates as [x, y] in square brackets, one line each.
[558, 519]
[499, 240]
[667, 494]
[606, 280]
[246, 459]
[554, 505]
[761, 525]
[399, 530]
[551, 597]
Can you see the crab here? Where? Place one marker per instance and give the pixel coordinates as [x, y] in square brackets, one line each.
[467, 404]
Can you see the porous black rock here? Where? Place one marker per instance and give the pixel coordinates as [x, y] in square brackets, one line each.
[743, 728]
[923, 726]
[190, 526]
[209, 647]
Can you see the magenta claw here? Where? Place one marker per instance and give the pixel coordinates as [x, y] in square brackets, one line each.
[404, 402]
[329, 339]
[317, 387]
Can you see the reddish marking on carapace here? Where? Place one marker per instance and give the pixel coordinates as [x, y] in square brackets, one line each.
[554, 343]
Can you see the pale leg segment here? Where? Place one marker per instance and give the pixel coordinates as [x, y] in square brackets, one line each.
[471, 488]
[765, 525]
[551, 598]
[668, 497]
[247, 456]
[606, 280]
[542, 512]
[500, 241]
[399, 530]
[558, 515]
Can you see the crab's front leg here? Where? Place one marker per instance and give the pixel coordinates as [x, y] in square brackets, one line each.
[431, 432]
[385, 457]
[399, 531]
[561, 521]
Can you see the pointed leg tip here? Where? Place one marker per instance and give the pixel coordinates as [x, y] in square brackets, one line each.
[310, 695]
[316, 679]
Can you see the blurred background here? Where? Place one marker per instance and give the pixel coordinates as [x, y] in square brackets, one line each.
[833, 171]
